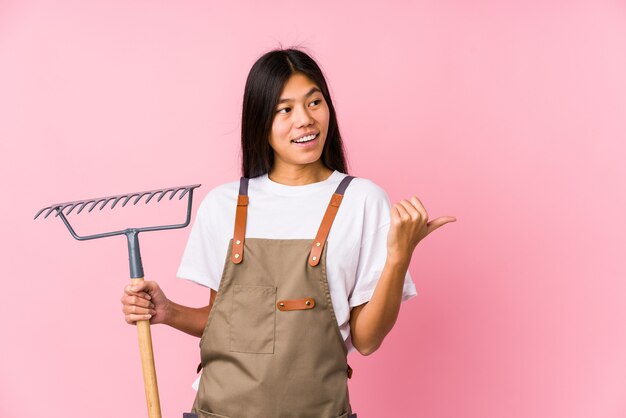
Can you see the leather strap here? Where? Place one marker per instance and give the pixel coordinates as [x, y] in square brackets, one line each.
[322, 233]
[295, 304]
[327, 221]
[240, 221]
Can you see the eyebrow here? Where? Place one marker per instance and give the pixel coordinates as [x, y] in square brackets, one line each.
[310, 92]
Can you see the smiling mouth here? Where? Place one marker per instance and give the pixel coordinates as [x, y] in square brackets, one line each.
[305, 139]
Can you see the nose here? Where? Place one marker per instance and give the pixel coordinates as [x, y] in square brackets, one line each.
[302, 116]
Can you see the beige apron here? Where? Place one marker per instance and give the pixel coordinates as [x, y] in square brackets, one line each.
[272, 347]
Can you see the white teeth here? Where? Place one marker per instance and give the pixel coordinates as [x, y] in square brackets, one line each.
[305, 139]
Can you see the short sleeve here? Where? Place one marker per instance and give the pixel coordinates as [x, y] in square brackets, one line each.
[373, 252]
[196, 261]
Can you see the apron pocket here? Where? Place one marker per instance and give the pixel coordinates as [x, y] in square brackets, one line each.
[253, 319]
[205, 414]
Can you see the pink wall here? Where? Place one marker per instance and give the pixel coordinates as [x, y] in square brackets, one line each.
[508, 115]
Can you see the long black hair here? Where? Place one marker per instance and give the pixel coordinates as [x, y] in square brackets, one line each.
[265, 82]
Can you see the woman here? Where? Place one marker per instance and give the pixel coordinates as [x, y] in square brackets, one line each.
[286, 309]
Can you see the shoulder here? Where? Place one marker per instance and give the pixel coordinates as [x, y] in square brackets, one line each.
[367, 190]
[368, 205]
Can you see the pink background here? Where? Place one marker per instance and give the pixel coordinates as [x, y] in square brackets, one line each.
[508, 115]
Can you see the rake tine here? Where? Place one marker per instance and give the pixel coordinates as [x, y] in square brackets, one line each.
[151, 196]
[84, 205]
[137, 200]
[163, 194]
[174, 193]
[95, 202]
[71, 209]
[56, 207]
[62, 208]
[116, 200]
[183, 194]
[140, 196]
[50, 211]
[105, 202]
[128, 198]
[39, 213]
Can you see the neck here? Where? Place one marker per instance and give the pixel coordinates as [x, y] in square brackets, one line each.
[299, 175]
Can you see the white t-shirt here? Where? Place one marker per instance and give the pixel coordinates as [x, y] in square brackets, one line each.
[357, 241]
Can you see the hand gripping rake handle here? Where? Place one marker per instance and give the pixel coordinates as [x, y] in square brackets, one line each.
[136, 267]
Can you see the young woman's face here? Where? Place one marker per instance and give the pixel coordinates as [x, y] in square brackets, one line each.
[301, 114]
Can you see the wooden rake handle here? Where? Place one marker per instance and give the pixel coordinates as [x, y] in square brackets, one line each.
[147, 364]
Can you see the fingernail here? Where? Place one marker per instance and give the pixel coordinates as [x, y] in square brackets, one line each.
[148, 297]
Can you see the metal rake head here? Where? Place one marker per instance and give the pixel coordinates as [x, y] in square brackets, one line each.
[131, 233]
[103, 201]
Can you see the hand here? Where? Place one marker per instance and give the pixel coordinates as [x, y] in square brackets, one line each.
[409, 225]
[144, 301]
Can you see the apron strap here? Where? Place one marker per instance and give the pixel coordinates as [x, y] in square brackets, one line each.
[327, 221]
[320, 240]
[240, 221]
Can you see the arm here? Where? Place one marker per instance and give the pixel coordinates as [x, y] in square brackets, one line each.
[372, 321]
[186, 319]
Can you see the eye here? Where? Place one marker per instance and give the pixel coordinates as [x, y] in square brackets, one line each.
[284, 108]
[316, 101]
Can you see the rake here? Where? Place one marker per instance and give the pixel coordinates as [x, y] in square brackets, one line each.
[63, 210]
